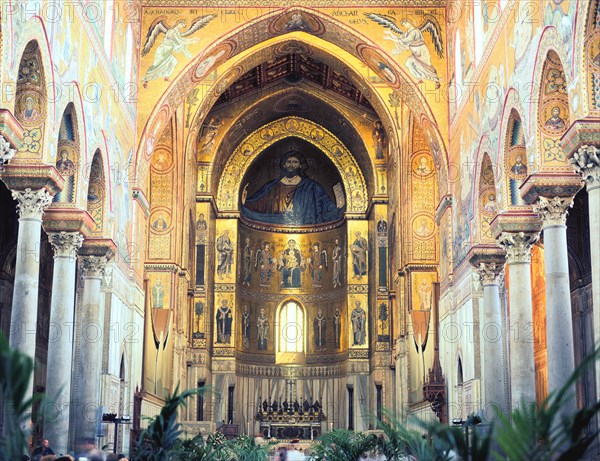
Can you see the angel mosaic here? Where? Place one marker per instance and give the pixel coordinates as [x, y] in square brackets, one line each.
[174, 41]
[411, 39]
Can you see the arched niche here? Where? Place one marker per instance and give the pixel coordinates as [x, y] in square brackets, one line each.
[487, 199]
[67, 155]
[553, 111]
[31, 99]
[96, 195]
[230, 183]
[516, 166]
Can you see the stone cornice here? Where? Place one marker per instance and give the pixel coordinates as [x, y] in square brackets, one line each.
[278, 3]
[99, 247]
[581, 132]
[515, 221]
[550, 184]
[20, 176]
[59, 219]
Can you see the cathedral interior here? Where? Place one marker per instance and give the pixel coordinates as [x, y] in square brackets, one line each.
[321, 212]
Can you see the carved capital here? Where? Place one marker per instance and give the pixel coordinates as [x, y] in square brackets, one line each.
[553, 211]
[65, 244]
[93, 266]
[518, 246]
[586, 162]
[6, 151]
[32, 203]
[489, 272]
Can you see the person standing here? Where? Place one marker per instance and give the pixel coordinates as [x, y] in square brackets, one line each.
[42, 450]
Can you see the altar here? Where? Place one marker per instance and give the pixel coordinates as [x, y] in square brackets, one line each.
[295, 421]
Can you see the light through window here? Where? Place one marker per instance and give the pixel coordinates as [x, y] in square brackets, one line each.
[291, 328]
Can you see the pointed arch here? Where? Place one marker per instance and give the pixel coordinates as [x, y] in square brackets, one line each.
[67, 155]
[31, 100]
[96, 195]
[229, 46]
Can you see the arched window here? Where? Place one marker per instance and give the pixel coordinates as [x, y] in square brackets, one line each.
[291, 333]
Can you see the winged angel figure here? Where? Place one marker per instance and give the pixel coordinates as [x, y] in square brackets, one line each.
[175, 41]
[411, 39]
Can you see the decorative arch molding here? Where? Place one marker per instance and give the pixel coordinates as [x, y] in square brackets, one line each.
[547, 48]
[35, 30]
[365, 160]
[226, 47]
[587, 35]
[249, 149]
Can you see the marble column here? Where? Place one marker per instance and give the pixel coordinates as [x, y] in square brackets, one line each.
[586, 162]
[23, 323]
[492, 339]
[522, 365]
[89, 340]
[559, 323]
[60, 343]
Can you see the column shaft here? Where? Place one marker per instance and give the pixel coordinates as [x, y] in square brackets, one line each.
[60, 344]
[522, 362]
[89, 339]
[23, 325]
[586, 162]
[559, 319]
[492, 340]
[594, 215]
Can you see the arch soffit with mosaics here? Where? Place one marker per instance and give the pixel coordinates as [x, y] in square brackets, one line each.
[292, 126]
[512, 101]
[173, 96]
[256, 57]
[359, 148]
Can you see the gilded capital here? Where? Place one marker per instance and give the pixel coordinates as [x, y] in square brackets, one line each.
[6, 151]
[93, 266]
[489, 272]
[518, 246]
[586, 162]
[553, 211]
[32, 203]
[65, 244]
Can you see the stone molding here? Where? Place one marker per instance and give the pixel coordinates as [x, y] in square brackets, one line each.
[32, 203]
[586, 162]
[65, 244]
[553, 211]
[93, 266]
[518, 246]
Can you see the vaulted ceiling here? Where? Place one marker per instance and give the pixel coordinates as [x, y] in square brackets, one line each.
[293, 68]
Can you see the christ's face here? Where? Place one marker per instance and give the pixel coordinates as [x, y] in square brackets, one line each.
[292, 166]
